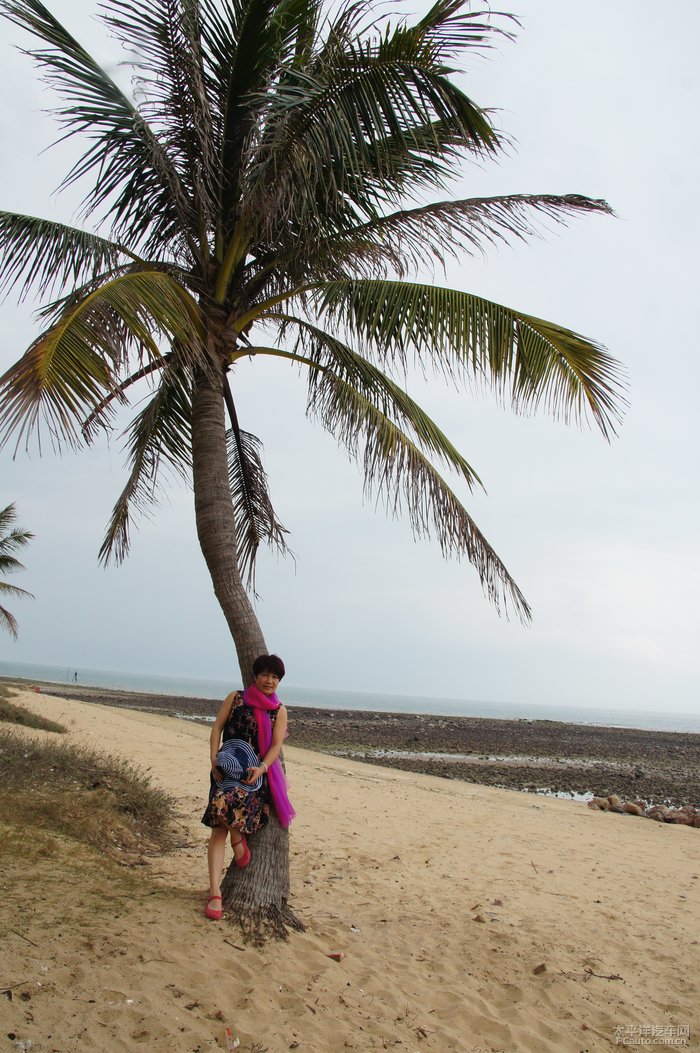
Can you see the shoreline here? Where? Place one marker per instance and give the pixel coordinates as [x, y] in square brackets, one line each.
[537, 756]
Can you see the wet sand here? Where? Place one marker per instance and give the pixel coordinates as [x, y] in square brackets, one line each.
[658, 767]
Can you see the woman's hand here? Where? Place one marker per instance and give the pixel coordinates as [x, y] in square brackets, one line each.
[215, 773]
[255, 773]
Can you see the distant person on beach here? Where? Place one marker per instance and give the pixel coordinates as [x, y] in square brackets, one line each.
[246, 775]
[75, 677]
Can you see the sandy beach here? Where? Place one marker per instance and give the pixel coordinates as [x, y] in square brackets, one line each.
[470, 918]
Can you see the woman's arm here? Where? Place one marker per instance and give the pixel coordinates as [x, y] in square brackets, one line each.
[217, 731]
[278, 733]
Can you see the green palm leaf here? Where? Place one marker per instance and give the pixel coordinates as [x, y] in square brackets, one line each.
[245, 42]
[8, 622]
[130, 171]
[70, 368]
[118, 394]
[11, 539]
[256, 521]
[40, 255]
[528, 359]
[327, 354]
[420, 237]
[166, 38]
[406, 480]
[396, 167]
[327, 127]
[13, 590]
[369, 119]
[448, 29]
[159, 436]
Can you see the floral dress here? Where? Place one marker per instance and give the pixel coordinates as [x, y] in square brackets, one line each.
[241, 809]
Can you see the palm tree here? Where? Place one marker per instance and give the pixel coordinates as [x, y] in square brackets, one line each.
[11, 540]
[264, 192]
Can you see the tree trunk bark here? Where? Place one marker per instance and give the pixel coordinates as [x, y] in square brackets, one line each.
[255, 897]
[216, 527]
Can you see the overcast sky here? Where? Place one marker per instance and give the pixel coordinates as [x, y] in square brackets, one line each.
[602, 538]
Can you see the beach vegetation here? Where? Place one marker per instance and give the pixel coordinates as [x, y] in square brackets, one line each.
[11, 540]
[84, 795]
[267, 192]
[11, 713]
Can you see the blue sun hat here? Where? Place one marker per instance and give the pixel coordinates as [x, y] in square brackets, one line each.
[233, 760]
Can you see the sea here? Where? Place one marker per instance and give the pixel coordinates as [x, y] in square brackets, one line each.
[192, 687]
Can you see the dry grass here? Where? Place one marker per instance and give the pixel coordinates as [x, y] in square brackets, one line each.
[86, 796]
[13, 714]
[76, 827]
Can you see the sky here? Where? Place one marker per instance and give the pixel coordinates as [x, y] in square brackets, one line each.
[601, 537]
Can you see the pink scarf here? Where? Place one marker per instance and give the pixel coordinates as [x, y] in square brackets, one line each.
[261, 705]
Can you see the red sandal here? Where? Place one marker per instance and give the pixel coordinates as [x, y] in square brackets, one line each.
[209, 912]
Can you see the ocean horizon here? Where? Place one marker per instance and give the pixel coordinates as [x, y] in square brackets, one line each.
[197, 687]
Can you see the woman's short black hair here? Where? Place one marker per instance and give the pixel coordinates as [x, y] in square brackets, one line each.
[268, 663]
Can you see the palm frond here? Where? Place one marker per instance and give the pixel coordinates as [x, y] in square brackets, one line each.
[13, 590]
[11, 538]
[255, 517]
[405, 479]
[326, 353]
[8, 622]
[340, 242]
[373, 115]
[448, 29]
[71, 367]
[397, 168]
[299, 22]
[417, 238]
[243, 45]
[160, 435]
[165, 37]
[88, 426]
[40, 255]
[9, 564]
[529, 360]
[328, 129]
[443, 32]
[342, 24]
[132, 176]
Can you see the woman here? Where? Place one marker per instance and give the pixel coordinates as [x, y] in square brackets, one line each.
[241, 806]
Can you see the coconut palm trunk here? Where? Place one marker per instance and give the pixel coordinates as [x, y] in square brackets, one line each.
[215, 519]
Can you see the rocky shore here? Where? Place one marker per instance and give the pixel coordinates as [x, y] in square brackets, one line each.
[536, 755]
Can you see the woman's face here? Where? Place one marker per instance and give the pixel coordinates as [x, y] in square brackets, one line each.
[267, 683]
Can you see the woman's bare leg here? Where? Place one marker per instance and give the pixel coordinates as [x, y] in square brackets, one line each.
[215, 858]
